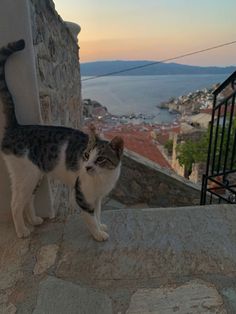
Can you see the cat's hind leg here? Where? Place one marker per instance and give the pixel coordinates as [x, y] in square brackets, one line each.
[30, 213]
[24, 178]
[30, 209]
[17, 206]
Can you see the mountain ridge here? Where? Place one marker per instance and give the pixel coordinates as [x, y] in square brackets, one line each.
[107, 67]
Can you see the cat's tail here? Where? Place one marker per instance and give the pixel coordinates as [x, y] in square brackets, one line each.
[5, 95]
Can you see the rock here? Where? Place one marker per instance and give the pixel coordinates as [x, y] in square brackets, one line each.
[74, 29]
[58, 296]
[193, 297]
[8, 308]
[93, 109]
[45, 258]
[230, 295]
[12, 252]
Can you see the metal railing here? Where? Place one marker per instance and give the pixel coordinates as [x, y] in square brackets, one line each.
[219, 181]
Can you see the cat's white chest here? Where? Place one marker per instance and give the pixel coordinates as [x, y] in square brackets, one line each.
[96, 187]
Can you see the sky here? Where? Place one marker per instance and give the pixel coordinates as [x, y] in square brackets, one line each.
[153, 29]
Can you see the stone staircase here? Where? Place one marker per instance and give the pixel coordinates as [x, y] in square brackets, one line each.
[167, 260]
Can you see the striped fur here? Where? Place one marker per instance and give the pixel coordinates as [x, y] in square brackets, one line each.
[80, 199]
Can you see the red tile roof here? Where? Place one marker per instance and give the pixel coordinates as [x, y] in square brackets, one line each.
[141, 143]
[138, 138]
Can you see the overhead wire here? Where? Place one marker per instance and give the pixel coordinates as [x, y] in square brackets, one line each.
[158, 62]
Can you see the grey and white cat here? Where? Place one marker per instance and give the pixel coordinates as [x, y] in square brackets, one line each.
[86, 162]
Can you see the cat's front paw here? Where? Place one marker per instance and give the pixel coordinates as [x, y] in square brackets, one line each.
[103, 227]
[37, 221]
[23, 233]
[101, 236]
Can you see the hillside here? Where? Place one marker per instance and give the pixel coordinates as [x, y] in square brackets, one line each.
[103, 67]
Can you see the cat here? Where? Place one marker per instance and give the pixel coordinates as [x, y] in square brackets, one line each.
[84, 161]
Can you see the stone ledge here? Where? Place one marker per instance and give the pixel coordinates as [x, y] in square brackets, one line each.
[143, 181]
[152, 243]
[163, 171]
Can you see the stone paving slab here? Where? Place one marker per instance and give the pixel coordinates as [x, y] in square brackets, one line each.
[192, 297]
[153, 256]
[12, 252]
[46, 258]
[230, 295]
[57, 296]
[152, 243]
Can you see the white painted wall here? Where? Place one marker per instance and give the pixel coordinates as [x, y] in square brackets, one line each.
[15, 23]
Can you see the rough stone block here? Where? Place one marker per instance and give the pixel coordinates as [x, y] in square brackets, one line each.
[57, 296]
[46, 258]
[193, 297]
[152, 243]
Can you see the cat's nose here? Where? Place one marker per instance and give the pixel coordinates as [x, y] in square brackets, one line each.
[89, 168]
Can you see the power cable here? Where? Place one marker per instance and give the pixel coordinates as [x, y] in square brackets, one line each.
[157, 62]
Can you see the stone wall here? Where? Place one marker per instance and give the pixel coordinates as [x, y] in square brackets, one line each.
[57, 65]
[143, 181]
[59, 81]
[58, 73]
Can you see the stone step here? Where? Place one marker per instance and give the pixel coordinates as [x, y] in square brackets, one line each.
[166, 260]
[152, 243]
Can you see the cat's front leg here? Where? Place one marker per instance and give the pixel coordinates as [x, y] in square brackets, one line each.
[89, 216]
[92, 224]
[98, 215]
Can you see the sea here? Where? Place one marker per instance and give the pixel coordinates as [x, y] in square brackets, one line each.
[128, 95]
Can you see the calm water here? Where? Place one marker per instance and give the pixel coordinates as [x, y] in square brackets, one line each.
[142, 94]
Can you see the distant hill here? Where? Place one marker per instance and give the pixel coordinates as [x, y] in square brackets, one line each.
[103, 67]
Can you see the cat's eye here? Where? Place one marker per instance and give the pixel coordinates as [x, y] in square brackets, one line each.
[100, 160]
[86, 156]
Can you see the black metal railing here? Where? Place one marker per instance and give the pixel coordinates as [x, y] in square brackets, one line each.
[219, 181]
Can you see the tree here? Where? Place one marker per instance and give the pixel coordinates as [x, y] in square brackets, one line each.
[185, 155]
[191, 152]
[169, 146]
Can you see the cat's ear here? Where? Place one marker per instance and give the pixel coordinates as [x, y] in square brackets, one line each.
[92, 129]
[93, 137]
[117, 144]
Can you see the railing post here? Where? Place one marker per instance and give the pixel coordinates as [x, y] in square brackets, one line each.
[220, 160]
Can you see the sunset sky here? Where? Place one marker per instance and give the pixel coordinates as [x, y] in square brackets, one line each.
[153, 29]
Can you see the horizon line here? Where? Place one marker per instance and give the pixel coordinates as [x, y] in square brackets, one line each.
[159, 62]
